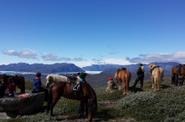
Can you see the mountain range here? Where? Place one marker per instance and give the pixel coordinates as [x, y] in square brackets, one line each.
[44, 68]
[66, 67]
[109, 68]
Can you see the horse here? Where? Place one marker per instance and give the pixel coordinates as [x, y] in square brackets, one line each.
[157, 76]
[62, 86]
[18, 80]
[123, 77]
[178, 75]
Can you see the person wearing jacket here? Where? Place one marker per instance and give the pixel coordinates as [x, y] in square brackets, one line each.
[140, 76]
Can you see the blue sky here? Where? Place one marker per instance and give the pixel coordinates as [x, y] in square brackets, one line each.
[87, 32]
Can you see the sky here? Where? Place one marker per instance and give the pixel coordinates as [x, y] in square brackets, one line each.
[86, 32]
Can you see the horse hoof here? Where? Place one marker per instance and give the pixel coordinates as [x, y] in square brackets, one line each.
[125, 94]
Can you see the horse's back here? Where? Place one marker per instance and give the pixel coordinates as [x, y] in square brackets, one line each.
[57, 78]
[124, 74]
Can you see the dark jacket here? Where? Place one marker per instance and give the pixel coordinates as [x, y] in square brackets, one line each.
[140, 72]
[37, 84]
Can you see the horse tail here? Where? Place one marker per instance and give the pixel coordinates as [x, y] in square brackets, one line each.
[159, 75]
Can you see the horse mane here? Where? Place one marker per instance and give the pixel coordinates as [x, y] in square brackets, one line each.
[55, 78]
[123, 68]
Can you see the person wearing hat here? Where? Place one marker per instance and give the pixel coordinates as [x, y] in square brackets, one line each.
[140, 76]
[37, 84]
[110, 84]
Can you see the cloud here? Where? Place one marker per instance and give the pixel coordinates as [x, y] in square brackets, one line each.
[27, 54]
[52, 57]
[148, 58]
[102, 61]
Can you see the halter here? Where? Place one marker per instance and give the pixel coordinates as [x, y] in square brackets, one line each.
[154, 68]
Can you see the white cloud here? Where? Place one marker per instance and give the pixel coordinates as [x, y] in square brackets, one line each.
[143, 58]
[53, 58]
[148, 58]
[121, 61]
[83, 63]
[27, 54]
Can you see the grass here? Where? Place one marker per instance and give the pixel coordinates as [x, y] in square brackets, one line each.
[167, 105]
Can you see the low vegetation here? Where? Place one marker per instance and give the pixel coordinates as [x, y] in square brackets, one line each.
[167, 105]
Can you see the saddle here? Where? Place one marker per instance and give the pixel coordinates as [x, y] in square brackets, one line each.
[77, 89]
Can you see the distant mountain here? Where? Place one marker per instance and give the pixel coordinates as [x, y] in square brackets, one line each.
[101, 67]
[110, 69]
[44, 68]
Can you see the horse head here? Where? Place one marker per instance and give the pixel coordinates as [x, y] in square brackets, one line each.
[151, 66]
[49, 80]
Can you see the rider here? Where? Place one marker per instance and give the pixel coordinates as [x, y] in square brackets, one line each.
[140, 76]
[81, 78]
[37, 85]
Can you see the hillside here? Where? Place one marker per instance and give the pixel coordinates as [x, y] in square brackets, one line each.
[166, 105]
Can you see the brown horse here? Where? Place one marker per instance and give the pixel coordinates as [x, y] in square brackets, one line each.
[64, 88]
[123, 77]
[18, 80]
[178, 75]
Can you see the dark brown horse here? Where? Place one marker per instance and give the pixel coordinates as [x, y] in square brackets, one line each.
[18, 80]
[123, 77]
[178, 75]
[62, 86]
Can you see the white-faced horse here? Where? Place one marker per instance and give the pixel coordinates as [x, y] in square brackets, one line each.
[62, 86]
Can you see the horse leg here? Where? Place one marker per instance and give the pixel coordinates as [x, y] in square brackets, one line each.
[89, 110]
[119, 85]
[86, 108]
[173, 79]
[176, 80]
[153, 84]
[181, 80]
[55, 99]
[49, 99]
[81, 109]
[158, 84]
[126, 86]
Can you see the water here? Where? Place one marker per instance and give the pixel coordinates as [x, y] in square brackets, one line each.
[33, 73]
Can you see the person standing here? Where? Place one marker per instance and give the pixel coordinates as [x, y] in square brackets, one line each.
[140, 76]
